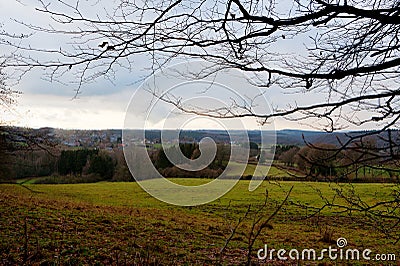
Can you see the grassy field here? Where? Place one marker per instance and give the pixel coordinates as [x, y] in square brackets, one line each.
[262, 170]
[119, 223]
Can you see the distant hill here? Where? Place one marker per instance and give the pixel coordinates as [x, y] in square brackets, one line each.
[298, 137]
[283, 137]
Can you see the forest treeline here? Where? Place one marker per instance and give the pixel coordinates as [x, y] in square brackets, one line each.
[363, 161]
[191, 151]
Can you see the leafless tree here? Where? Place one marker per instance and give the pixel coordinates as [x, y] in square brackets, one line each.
[344, 51]
[8, 98]
[288, 157]
[7, 102]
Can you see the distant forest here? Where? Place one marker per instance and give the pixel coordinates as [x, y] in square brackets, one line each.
[76, 156]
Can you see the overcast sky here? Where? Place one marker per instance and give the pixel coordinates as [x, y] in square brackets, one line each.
[101, 104]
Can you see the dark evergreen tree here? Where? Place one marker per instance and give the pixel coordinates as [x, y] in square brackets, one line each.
[103, 165]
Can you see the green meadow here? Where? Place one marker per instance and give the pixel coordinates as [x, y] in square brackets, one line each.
[119, 223]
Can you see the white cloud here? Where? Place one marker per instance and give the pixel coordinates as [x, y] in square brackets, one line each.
[92, 112]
